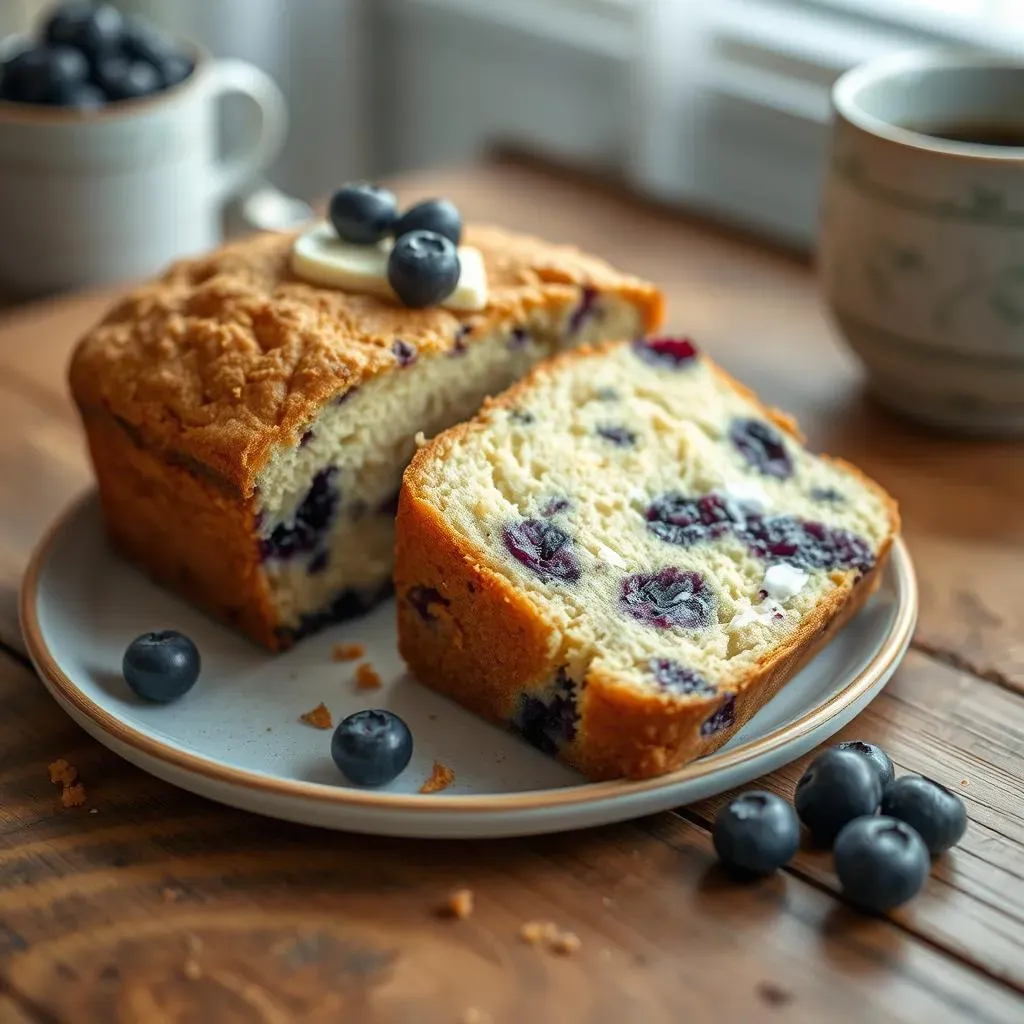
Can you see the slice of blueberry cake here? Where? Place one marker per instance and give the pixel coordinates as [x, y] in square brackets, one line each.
[625, 555]
[249, 415]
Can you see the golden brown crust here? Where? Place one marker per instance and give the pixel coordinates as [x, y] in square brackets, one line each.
[230, 355]
[621, 731]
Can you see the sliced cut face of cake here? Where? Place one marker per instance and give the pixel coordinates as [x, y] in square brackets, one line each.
[249, 429]
[625, 555]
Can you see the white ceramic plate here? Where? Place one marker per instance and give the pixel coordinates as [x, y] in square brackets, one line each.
[237, 737]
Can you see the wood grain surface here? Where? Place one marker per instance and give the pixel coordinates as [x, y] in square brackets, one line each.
[150, 904]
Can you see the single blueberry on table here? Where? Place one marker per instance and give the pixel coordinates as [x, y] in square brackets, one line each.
[669, 353]
[363, 213]
[876, 755]
[881, 862]
[93, 28]
[839, 785]
[668, 597]
[439, 215]
[543, 547]
[758, 832]
[161, 666]
[372, 748]
[937, 815]
[423, 268]
[761, 445]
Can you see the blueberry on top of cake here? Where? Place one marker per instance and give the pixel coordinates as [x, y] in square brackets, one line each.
[640, 600]
[249, 428]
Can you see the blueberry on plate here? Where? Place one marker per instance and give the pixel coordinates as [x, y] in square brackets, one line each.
[757, 832]
[881, 862]
[876, 755]
[937, 815]
[371, 748]
[123, 79]
[839, 786]
[423, 268]
[438, 215]
[161, 666]
[93, 28]
[362, 213]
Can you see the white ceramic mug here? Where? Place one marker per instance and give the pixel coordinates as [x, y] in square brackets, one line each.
[88, 198]
[922, 241]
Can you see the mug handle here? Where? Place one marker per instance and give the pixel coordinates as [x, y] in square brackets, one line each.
[236, 170]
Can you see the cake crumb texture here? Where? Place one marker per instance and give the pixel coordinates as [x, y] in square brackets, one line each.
[319, 717]
[441, 777]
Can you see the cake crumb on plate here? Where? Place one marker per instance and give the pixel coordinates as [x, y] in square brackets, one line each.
[367, 677]
[440, 778]
[459, 904]
[347, 652]
[319, 717]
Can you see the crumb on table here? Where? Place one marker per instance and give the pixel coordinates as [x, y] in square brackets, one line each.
[73, 795]
[440, 778]
[475, 1016]
[62, 773]
[367, 677]
[566, 943]
[772, 994]
[547, 933]
[536, 932]
[347, 652]
[460, 904]
[319, 717]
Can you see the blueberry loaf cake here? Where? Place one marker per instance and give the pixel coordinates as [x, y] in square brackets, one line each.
[249, 427]
[626, 554]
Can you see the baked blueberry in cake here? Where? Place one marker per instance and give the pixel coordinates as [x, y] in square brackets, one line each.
[627, 598]
[249, 414]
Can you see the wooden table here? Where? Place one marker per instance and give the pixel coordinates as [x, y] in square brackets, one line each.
[149, 904]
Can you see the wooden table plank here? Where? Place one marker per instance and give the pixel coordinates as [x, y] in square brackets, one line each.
[162, 906]
[758, 313]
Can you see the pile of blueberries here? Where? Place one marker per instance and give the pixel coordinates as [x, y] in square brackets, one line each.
[90, 55]
[881, 859]
[423, 267]
[370, 748]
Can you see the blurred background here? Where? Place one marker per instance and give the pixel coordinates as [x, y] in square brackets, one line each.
[718, 105]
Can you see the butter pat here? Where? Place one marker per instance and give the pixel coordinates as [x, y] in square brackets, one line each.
[321, 258]
[781, 582]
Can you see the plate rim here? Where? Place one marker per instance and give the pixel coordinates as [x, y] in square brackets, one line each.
[65, 690]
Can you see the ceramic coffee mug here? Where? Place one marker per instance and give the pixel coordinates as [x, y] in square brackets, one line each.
[922, 244]
[118, 193]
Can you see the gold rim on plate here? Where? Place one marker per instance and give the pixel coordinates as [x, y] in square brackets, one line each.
[587, 792]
